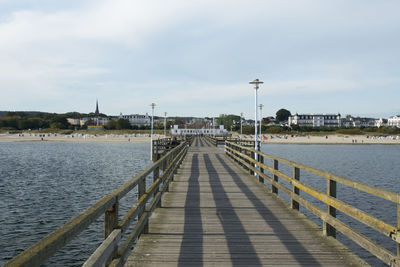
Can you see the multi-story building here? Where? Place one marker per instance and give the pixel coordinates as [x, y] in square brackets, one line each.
[136, 119]
[381, 122]
[394, 121]
[315, 120]
[188, 130]
[363, 122]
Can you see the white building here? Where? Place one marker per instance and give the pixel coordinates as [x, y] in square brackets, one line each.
[182, 130]
[136, 119]
[97, 121]
[74, 121]
[394, 121]
[381, 122]
[315, 120]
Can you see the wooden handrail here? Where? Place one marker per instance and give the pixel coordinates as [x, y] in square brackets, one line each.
[36, 254]
[244, 156]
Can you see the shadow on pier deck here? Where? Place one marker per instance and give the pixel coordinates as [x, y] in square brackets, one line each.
[215, 214]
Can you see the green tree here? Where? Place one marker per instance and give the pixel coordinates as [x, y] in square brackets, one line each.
[227, 120]
[123, 124]
[59, 122]
[111, 125]
[283, 115]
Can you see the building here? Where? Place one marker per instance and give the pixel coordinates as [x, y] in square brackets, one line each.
[248, 123]
[136, 119]
[72, 121]
[190, 130]
[97, 119]
[394, 121]
[363, 122]
[315, 120]
[381, 122]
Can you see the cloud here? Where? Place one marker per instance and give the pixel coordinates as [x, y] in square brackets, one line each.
[197, 50]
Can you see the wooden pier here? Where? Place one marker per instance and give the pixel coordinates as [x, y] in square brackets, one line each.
[215, 214]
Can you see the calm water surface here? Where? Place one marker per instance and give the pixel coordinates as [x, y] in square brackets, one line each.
[43, 185]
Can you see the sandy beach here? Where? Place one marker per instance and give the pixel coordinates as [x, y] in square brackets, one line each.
[326, 139]
[52, 137]
[266, 138]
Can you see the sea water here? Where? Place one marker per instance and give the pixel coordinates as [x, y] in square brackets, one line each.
[45, 184]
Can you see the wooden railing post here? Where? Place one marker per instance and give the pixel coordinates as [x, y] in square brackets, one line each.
[176, 163]
[252, 155]
[156, 175]
[111, 219]
[110, 223]
[398, 228]
[328, 229]
[295, 190]
[242, 152]
[141, 192]
[261, 160]
[274, 189]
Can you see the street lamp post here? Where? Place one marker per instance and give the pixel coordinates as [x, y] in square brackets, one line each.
[241, 127]
[213, 126]
[165, 124]
[256, 82]
[260, 106]
[152, 127]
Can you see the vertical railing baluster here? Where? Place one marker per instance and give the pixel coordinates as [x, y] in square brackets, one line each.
[295, 190]
[252, 155]
[398, 228]
[156, 175]
[110, 223]
[111, 219]
[141, 192]
[274, 189]
[328, 229]
[261, 160]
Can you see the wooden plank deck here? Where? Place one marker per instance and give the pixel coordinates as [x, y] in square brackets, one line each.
[217, 215]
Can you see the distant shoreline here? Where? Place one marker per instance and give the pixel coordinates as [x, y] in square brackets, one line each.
[334, 139]
[128, 138]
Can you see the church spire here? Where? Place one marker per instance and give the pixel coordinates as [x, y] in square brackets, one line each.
[97, 108]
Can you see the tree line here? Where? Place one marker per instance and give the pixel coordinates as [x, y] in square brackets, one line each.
[41, 120]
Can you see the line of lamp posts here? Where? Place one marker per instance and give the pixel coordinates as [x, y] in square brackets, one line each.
[257, 137]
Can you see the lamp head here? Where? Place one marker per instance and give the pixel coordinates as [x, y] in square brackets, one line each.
[256, 82]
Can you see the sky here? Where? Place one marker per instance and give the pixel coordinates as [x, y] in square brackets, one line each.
[196, 58]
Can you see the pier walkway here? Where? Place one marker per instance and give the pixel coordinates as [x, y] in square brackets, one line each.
[216, 214]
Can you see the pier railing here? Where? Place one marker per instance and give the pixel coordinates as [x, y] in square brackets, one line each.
[111, 251]
[220, 140]
[245, 157]
[163, 145]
